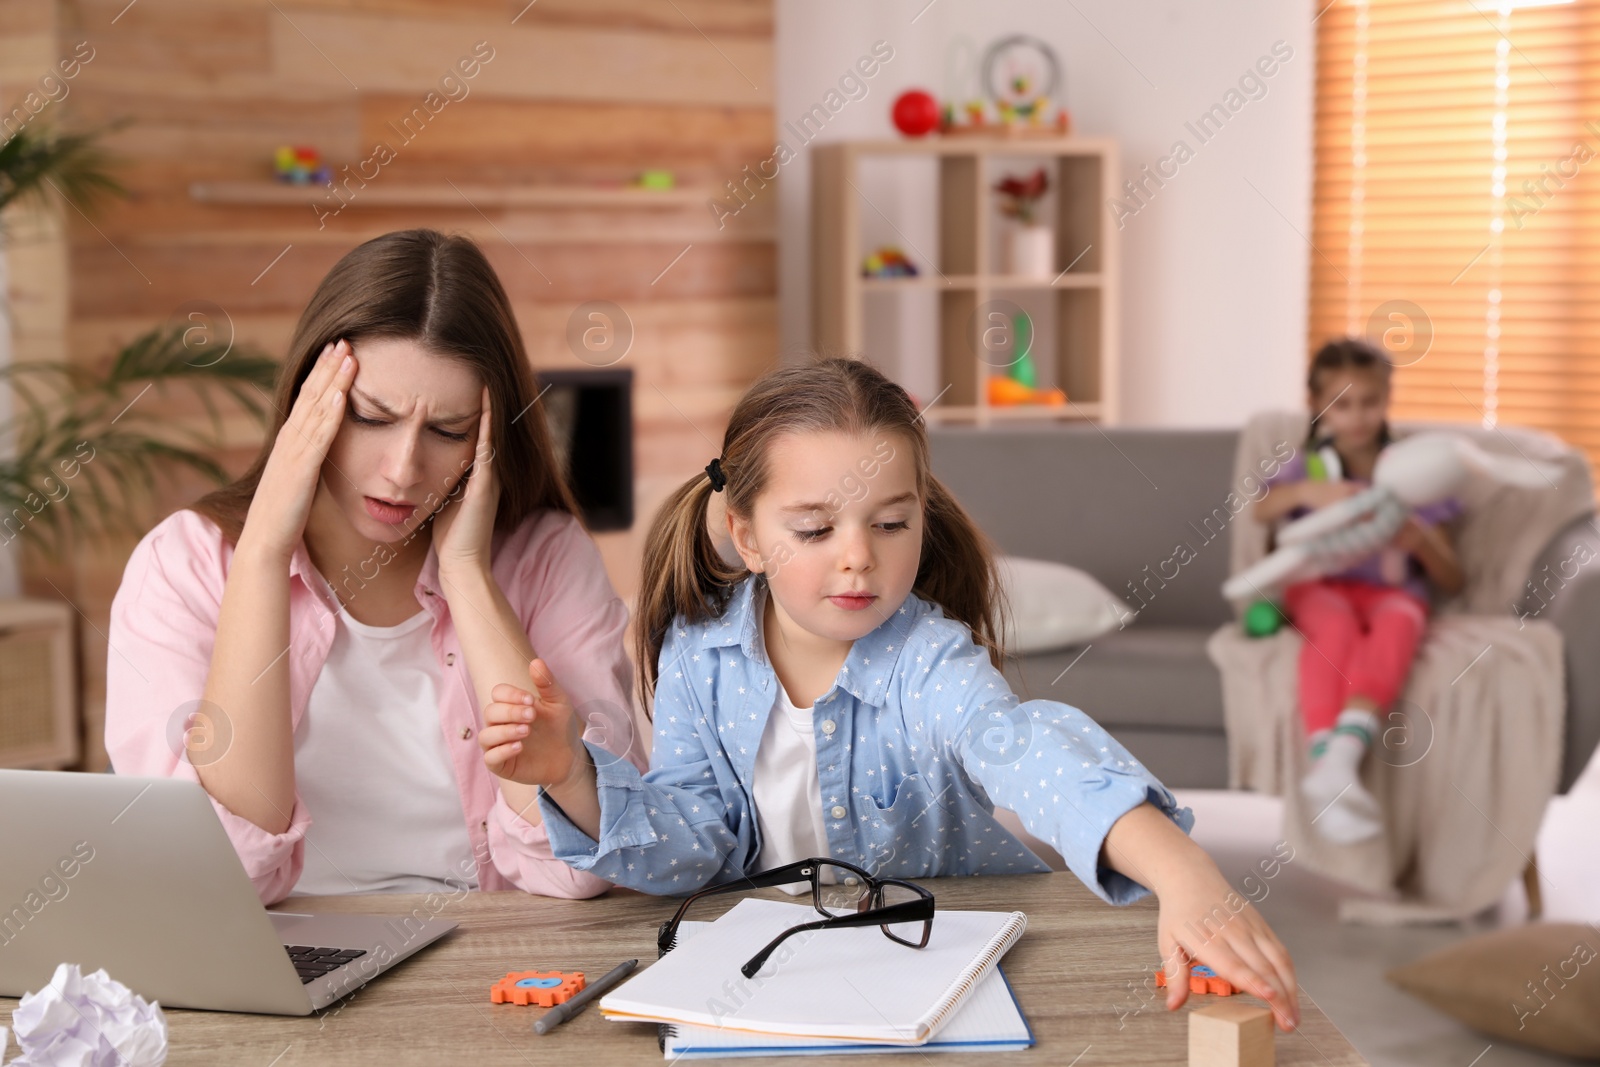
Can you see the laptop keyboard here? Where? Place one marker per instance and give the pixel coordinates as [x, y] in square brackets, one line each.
[313, 963]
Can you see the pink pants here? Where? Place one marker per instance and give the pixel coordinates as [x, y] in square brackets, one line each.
[1360, 639]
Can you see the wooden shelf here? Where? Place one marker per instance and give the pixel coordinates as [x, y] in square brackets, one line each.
[1069, 280]
[974, 305]
[1085, 412]
[970, 144]
[443, 195]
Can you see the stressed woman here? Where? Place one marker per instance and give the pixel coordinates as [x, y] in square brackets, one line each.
[314, 643]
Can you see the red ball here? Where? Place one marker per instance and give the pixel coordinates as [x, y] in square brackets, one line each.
[916, 113]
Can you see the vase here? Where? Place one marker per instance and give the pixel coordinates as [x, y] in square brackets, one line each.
[1030, 252]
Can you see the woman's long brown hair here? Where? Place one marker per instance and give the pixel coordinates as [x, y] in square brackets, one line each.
[684, 575]
[440, 292]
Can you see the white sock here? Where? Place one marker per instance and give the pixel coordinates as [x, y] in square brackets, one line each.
[1344, 823]
[1332, 788]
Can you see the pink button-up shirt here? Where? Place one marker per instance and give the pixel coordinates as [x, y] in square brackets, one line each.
[164, 624]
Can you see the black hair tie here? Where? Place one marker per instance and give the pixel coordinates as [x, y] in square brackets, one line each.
[718, 479]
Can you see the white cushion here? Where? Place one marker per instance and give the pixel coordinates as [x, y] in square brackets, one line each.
[1054, 606]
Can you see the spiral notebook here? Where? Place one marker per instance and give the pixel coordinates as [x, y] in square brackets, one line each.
[989, 1020]
[849, 984]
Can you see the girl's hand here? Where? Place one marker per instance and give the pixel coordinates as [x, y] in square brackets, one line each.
[1321, 494]
[282, 503]
[533, 738]
[1203, 920]
[462, 529]
[1411, 535]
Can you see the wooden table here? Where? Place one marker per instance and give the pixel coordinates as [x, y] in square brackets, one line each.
[1081, 973]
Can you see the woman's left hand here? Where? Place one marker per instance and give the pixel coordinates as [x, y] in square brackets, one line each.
[464, 526]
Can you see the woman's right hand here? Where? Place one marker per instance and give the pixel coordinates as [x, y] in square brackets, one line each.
[282, 503]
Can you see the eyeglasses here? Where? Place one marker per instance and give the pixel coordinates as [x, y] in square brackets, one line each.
[904, 912]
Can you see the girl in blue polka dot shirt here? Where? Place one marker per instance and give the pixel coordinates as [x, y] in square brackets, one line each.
[836, 693]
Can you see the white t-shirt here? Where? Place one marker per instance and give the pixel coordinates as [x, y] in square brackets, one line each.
[788, 795]
[373, 768]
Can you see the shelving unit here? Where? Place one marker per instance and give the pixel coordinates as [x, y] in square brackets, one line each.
[1076, 319]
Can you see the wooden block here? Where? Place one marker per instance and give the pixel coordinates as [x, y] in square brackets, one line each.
[1230, 1034]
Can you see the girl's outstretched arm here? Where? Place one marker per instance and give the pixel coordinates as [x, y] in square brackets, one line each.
[1118, 828]
[685, 824]
[1203, 920]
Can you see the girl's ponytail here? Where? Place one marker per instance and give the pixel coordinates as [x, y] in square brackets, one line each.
[683, 574]
[958, 570]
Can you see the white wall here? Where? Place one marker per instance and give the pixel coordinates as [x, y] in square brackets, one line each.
[1214, 272]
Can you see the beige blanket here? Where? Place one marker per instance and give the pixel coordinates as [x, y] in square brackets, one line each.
[1467, 761]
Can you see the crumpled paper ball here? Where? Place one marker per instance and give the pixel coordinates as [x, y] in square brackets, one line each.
[89, 1020]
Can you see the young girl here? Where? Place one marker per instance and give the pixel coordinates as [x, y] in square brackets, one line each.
[311, 643]
[1361, 626]
[836, 695]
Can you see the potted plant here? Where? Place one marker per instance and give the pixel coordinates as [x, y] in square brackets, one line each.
[76, 446]
[1029, 246]
[87, 447]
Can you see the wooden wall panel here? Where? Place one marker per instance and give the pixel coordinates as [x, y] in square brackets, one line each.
[579, 93]
[554, 61]
[495, 132]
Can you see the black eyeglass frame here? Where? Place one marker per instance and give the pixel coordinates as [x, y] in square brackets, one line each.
[873, 911]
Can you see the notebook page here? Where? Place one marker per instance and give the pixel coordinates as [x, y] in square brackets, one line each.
[842, 983]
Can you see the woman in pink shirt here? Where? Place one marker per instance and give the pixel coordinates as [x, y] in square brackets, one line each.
[314, 642]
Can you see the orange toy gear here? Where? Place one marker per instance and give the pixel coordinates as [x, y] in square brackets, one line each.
[544, 988]
[1202, 979]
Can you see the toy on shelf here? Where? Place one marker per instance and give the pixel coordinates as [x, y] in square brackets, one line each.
[1008, 392]
[544, 988]
[1418, 470]
[915, 113]
[1023, 369]
[1202, 980]
[300, 165]
[888, 262]
[1231, 1035]
[1021, 74]
[1018, 386]
[655, 178]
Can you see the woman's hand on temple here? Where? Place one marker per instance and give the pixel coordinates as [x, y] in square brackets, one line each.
[464, 526]
[282, 503]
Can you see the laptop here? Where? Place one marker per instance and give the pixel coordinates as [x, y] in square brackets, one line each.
[137, 875]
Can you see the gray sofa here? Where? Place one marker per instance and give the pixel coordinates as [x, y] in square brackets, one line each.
[1114, 502]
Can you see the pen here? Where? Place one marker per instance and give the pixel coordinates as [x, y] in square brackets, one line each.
[562, 1012]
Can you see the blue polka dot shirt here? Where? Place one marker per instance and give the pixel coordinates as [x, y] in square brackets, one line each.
[918, 740]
